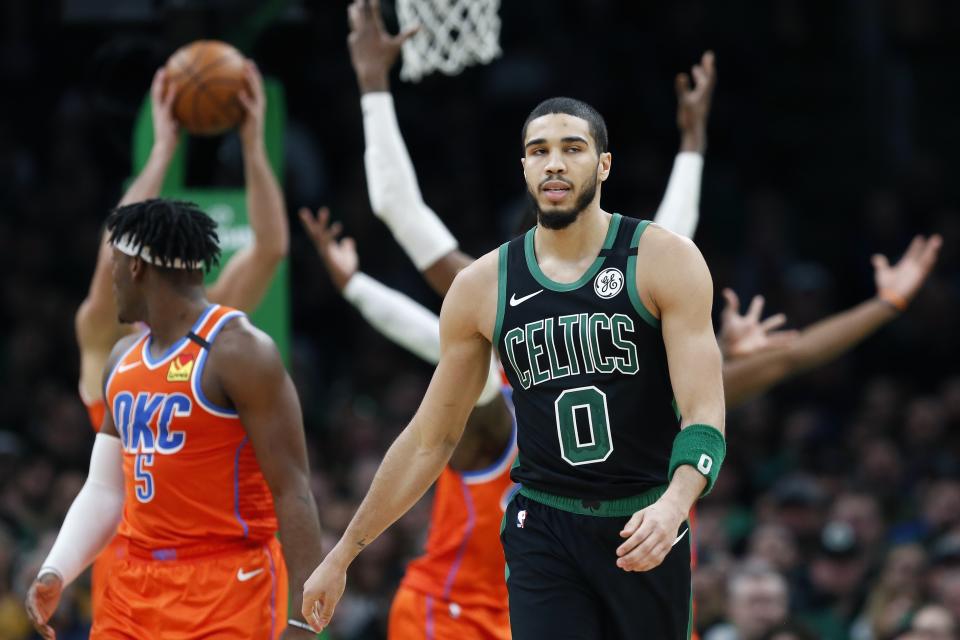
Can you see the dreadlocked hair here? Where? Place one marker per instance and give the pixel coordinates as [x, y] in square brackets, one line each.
[170, 229]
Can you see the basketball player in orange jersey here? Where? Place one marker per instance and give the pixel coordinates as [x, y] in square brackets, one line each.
[242, 283]
[200, 458]
[246, 276]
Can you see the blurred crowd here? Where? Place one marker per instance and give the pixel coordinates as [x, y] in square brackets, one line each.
[833, 137]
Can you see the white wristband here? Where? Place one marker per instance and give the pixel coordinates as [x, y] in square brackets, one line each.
[680, 209]
[392, 186]
[94, 515]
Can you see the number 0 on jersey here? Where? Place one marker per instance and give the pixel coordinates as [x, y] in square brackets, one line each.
[583, 425]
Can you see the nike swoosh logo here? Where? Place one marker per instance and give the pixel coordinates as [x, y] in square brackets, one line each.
[243, 577]
[514, 300]
[127, 367]
[680, 537]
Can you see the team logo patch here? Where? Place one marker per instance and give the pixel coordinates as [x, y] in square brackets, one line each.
[180, 369]
[521, 518]
[608, 283]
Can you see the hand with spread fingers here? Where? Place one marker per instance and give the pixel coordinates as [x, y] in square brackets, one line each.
[900, 283]
[693, 103]
[338, 255]
[42, 600]
[373, 51]
[743, 335]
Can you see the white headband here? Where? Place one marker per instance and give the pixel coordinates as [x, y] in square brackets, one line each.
[126, 245]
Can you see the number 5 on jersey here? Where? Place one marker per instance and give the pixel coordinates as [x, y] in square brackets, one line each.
[144, 479]
[583, 425]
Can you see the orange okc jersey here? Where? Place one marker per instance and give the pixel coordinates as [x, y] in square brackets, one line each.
[192, 479]
[463, 564]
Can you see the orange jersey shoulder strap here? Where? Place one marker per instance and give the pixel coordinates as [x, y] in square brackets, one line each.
[204, 333]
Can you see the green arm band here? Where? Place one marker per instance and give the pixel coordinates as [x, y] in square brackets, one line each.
[702, 447]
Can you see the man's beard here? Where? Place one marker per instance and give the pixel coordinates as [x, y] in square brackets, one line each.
[563, 218]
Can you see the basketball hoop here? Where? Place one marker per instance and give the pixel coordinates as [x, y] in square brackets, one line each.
[454, 34]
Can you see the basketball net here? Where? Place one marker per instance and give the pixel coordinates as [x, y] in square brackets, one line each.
[454, 34]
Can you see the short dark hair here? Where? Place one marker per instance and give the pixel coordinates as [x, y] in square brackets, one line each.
[172, 230]
[573, 107]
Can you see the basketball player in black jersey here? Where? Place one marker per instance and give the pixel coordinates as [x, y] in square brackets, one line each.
[603, 325]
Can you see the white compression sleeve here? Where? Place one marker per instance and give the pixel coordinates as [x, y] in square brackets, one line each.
[94, 515]
[396, 316]
[406, 323]
[680, 209]
[392, 185]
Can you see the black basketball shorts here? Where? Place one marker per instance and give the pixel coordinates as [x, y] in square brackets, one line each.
[564, 583]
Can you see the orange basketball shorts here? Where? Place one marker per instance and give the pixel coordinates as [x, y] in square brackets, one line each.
[416, 616]
[102, 568]
[232, 594]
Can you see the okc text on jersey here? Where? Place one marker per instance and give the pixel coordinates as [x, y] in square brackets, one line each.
[145, 422]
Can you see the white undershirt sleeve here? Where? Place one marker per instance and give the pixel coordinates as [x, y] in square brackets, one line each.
[94, 515]
[396, 316]
[392, 185]
[680, 209]
[407, 323]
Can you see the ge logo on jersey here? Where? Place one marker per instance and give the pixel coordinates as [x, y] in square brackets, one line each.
[609, 282]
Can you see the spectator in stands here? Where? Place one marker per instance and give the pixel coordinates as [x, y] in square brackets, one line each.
[757, 602]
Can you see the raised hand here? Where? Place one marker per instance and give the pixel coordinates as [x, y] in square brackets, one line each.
[165, 128]
[340, 257]
[255, 104]
[900, 283]
[742, 335]
[693, 104]
[372, 50]
[42, 600]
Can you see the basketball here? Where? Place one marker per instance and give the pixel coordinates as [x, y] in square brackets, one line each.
[206, 76]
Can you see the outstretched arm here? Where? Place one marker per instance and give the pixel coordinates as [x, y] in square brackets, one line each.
[90, 522]
[419, 454]
[253, 377]
[247, 275]
[391, 180]
[390, 312]
[680, 209]
[749, 375]
[399, 318]
[96, 323]
[682, 294]
[165, 135]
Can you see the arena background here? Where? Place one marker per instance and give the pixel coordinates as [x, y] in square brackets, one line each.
[833, 136]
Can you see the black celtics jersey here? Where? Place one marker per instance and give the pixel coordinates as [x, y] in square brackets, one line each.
[595, 410]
